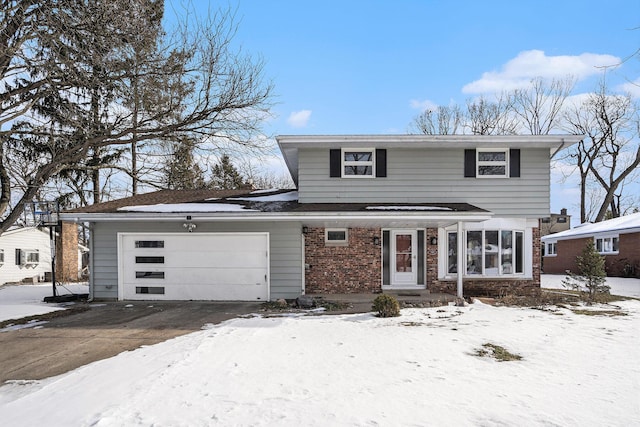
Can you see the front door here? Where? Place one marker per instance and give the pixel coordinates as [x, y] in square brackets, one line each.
[404, 265]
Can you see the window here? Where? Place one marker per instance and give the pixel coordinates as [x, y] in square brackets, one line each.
[336, 236]
[546, 220]
[492, 163]
[561, 220]
[149, 274]
[550, 249]
[488, 252]
[358, 163]
[27, 257]
[158, 290]
[452, 252]
[607, 245]
[149, 243]
[149, 260]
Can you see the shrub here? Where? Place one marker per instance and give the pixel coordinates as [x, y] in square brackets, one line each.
[386, 306]
[591, 280]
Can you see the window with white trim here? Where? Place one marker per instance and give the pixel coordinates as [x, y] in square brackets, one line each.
[550, 249]
[492, 163]
[607, 245]
[358, 163]
[488, 252]
[336, 236]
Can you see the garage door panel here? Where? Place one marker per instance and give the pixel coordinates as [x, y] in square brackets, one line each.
[209, 266]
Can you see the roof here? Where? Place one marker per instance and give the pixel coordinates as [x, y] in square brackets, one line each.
[623, 224]
[156, 197]
[269, 205]
[290, 144]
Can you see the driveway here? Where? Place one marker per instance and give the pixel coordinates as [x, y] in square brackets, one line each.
[104, 330]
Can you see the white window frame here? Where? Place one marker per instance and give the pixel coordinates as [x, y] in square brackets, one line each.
[333, 242]
[24, 256]
[345, 163]
[480, 163]
[610, 238]
[551, 249]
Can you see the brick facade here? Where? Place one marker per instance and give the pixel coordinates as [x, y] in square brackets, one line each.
[497, 287]
[624, 264]
[355, 268]
[67, 253]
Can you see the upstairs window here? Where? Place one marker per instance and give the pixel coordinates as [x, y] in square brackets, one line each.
[492, 163]
[607, 245]
[358, 163]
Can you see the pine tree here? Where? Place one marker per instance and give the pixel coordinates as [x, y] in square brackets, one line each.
[225, 176]
[592, 275]
[182, 171]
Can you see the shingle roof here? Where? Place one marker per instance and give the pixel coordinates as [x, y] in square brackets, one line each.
[627, 223]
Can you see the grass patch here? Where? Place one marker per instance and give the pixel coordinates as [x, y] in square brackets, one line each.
[599, 312]
[499, 353]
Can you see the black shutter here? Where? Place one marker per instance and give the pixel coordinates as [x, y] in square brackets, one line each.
[514, 163]
[335, 163]
[469, 163]
[381, 163]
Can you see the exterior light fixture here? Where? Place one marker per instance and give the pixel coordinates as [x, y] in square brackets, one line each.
[433, 241]
[305, 229]
[376, 240]
[189, 226]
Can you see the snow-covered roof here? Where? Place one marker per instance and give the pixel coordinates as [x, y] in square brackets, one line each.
[623, 224]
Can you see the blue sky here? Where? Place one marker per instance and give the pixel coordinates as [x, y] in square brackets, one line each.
[369, 67]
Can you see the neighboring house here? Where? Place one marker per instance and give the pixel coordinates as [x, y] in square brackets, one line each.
[25, 253]
[617, 239]
[371, 213]
[555, 223]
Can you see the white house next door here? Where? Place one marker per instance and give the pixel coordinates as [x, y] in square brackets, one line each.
[404, 260]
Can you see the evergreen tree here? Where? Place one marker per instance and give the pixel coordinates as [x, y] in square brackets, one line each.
[225, 176]
[592, 275]
[182, 171]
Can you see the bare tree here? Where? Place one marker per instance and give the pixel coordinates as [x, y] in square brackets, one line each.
[539, 105]
[444, 120]
[485, 117]
[47, 96]
[611, 152]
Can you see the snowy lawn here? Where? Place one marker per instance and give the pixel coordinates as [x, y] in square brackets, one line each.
[418, 369]
[17, 301]
[619, 285]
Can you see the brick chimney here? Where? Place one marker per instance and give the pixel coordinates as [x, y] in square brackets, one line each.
[563, 211]
[67, 253]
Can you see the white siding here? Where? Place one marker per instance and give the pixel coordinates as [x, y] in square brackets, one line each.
[27, 238]
[285, 252]
[431, 175]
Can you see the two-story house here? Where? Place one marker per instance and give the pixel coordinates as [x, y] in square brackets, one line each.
[458, 214]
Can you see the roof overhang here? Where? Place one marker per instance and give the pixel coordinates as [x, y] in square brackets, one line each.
[290, 144]
[362, 219]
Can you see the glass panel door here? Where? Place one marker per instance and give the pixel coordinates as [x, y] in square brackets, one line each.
[404, 257]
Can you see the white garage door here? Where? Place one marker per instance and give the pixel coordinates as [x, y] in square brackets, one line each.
[189, 266]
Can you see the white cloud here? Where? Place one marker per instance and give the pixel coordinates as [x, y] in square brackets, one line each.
[519, 71]
[423, 105]
[633, 88]
[299, 119]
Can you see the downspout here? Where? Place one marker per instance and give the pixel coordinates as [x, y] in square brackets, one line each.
[558, 149]
[91, 262]
[461, 264]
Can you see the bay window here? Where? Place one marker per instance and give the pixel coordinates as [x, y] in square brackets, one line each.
[489, 253]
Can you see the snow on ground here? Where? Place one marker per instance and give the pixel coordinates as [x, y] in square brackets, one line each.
[344, 370]
[27, 300]
[619, 285]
